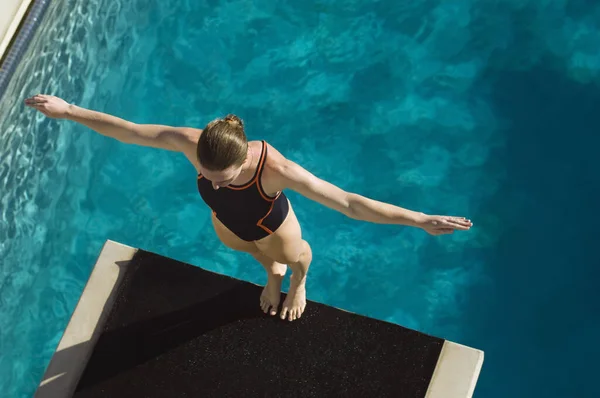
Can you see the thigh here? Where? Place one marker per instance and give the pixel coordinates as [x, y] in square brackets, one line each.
[285, 244]
[230, 239]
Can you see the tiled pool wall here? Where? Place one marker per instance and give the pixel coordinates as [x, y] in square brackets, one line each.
[17, 46]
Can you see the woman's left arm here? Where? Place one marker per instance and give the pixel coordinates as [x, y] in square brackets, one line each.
[295, 177]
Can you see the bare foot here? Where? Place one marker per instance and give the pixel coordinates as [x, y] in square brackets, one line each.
[295, 302]
[271, 294]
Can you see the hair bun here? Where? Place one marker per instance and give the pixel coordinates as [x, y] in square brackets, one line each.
[233, 119]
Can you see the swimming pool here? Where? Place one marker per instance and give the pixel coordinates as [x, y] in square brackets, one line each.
[482, 110]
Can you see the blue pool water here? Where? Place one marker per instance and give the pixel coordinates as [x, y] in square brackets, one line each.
[481, 109]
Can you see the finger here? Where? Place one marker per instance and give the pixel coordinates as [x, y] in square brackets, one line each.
[39, 97]
[460, 220]
[457, 224]
[33, 101]
[40, 108]
[463, 221]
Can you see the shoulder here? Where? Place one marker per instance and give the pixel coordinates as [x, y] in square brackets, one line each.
[273, 172]
[180, 139]
[276, 163]
[274, 157]
[189, 135]
[185, 140]
[281, 173]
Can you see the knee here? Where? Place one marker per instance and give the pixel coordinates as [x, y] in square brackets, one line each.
[303, 253]
[290, 253]
[307, 252]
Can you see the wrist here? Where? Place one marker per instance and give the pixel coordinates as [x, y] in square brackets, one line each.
[70, 112]
[419, 219]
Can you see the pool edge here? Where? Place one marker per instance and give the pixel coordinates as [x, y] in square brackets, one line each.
[18, 36]
[87, 321]
[13, 27]
[456, 373]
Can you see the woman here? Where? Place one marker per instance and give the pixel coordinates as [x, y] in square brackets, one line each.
[243, 183]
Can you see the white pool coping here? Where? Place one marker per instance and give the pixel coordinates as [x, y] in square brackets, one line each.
[455, 375]
[86, 324]
[11, 15]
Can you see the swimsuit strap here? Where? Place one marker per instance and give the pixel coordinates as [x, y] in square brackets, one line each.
[261, 161]
[260, 169]
[257, 174]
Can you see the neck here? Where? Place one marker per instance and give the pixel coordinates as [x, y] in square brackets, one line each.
[249, 160]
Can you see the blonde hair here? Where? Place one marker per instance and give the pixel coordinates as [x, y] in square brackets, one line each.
[223, 144]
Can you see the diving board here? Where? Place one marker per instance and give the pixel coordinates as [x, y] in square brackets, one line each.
[150, 326]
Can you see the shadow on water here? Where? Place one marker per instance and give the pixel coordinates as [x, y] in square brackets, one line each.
[537, 317]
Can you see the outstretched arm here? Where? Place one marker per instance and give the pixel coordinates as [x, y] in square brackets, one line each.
[152, 135]
[358, 207]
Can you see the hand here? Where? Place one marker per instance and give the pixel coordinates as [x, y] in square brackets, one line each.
[49, 105]
[441, 225]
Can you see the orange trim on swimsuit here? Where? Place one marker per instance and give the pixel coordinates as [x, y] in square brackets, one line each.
[256, 179]
[259, 223]
[257, 173]
[267, 198]
[276, 210]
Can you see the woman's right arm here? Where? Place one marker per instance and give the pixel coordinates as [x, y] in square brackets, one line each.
[179, 139]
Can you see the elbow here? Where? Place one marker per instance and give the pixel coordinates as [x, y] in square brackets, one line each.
[350, 208]
[130, 134]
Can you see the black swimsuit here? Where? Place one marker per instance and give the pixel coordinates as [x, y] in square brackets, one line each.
[246, 210]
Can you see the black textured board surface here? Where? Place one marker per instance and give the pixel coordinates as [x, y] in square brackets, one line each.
[177, 330]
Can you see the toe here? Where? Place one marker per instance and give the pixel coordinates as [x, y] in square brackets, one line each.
[273, 310]
[284, 312]
[264, 305]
